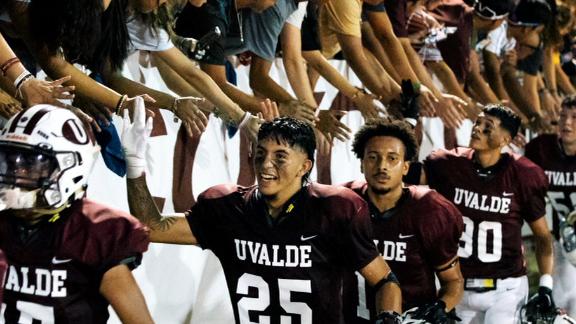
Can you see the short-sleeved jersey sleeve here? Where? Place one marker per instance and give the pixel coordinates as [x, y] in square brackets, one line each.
[200, 222]
[434, 166]
[533, 188]
[102, 237]
[440, 234]
[355, 233]
[3, 268]
[210, 216]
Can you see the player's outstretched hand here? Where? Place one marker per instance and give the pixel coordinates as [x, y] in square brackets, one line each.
[134, 139]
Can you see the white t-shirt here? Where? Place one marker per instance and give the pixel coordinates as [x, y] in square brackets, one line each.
[296, 18]
[144, 38]
[497, 41]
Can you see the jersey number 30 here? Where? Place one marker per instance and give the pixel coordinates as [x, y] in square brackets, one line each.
[487, 232]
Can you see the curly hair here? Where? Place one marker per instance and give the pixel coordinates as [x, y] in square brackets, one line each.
[82, 30]
[381, 127]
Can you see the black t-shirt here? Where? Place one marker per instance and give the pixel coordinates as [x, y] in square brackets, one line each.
[309, 30]
[196, 22]
[398, 14]
[532, 64]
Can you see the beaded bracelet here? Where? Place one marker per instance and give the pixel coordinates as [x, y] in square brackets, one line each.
[120, 104]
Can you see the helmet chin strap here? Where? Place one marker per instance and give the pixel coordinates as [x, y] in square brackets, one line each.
[54, 212]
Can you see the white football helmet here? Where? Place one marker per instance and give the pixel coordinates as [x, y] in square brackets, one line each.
[568, 237]
[49, 150]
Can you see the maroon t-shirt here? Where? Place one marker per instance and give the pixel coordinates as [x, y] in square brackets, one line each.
[455, 48]
[494, 208]
[418, 235]
[398, 15]
[55, 268]
[290, 267]
[546, 152]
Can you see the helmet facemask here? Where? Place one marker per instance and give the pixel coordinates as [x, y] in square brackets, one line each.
[29, 175]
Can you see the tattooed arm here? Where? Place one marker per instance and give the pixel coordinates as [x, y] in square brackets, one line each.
[134, 143]
[173, 229]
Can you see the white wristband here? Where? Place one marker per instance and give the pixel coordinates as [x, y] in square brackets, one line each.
[135, 167]
[19, 78]
[244, 120]
[546, 281]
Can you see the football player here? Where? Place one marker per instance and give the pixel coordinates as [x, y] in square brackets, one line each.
[556, 154]
[68, 257]
[285, 243]
[415, 229]
[495, 192]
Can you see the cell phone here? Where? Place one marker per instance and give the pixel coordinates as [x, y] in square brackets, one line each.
[205, 42]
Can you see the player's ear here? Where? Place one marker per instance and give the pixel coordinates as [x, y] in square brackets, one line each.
[506, 139]
[306, 167]
[405, 167]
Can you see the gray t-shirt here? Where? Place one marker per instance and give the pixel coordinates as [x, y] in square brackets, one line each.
[261, 30]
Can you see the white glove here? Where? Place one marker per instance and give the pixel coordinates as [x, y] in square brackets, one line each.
[134, 139]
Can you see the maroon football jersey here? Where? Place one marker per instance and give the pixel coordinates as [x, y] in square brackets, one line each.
[419, 234]
[494, 203]
[546, 152]
[288, 269]
[3, 268]
[55, 267]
